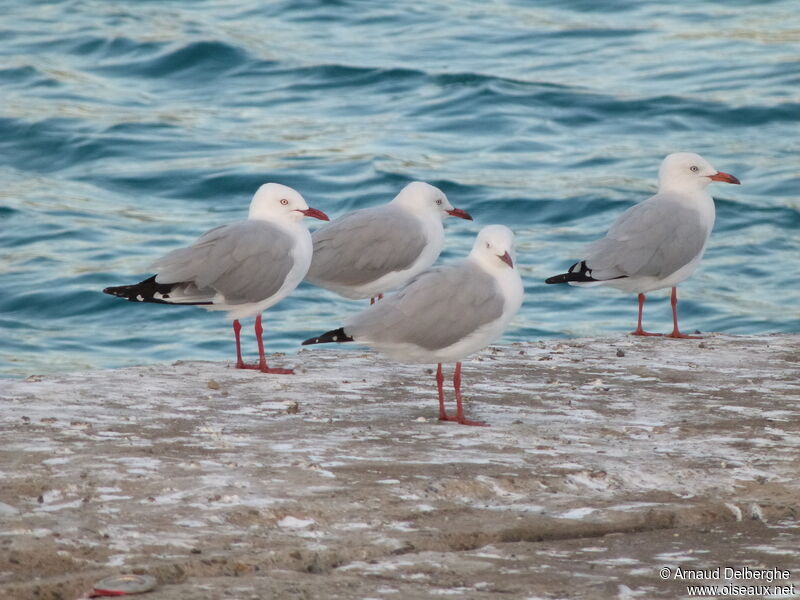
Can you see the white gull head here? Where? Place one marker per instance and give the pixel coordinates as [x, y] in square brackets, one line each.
[424, 199]
[494, 248]
[273, 201]
[687, 172]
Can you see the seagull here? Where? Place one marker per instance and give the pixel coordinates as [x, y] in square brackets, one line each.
[242, 268]
[371, 251]
[659, 242]
[445, 313]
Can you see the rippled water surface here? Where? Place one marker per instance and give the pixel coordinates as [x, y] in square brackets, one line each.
[127, 129]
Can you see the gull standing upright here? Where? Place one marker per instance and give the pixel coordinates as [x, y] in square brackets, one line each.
[445, 314]
[659, 242]
[243, 268]
[371, 251]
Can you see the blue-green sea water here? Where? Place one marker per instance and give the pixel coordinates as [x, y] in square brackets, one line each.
[129, 128]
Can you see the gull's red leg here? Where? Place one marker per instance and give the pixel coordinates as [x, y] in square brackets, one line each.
[380, 296]
[371, 301]
[675, 332]
[639, 330]
[237, 327]
[262, 359]
[240, 364]
[440, 386]
[459, 408]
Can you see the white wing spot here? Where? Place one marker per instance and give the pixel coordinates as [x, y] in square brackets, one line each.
[139, 298]
[336, 338]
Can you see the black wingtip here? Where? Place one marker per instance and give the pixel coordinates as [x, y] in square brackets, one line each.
[120, 291]
[144, 291]
[563, 278]
[148, 290]
[334, 335]
[577, 272]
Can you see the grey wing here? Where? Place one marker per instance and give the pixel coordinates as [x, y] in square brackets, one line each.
[438, 308]
[245, 262]
[365, 245]
[652, 239]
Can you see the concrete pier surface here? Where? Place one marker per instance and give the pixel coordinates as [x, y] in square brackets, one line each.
[607, 460]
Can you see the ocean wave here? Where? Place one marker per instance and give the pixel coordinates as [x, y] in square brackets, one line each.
[205, 60]
[128, 130]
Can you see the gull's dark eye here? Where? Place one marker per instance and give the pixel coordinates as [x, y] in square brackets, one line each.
[439, 201]
[488, 245]
[694, 169]
[284, 201]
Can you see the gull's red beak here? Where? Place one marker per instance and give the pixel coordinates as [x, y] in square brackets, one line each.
[461, 214]
[506, 258]
[317, 214]
[726, 177]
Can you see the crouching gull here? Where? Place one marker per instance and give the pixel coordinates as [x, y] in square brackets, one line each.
[445, 313]
[243, 268]
[371, 251]
[659, 242]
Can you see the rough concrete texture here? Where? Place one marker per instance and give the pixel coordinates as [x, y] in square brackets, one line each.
[606, 460]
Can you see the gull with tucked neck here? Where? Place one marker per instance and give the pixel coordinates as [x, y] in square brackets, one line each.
[444, 314]
[659, 242]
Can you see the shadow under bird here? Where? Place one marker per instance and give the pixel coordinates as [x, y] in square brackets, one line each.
[371, 251]
[444, 314]
[659, 242]
[242, 268]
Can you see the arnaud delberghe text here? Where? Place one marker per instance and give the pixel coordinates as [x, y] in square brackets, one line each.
[740, 573]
